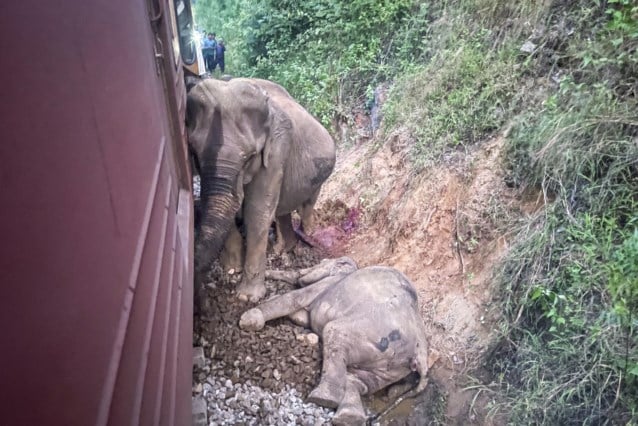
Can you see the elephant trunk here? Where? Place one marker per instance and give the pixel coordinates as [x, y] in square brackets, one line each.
[218, 209]
[218, 213]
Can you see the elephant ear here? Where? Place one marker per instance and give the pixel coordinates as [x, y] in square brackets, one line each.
[280, 135]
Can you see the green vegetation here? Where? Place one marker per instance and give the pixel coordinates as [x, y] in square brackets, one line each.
[459, 97]
[327, 53]
[571, 353]
[569, 350]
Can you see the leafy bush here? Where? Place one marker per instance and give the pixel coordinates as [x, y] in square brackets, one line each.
[572, 292]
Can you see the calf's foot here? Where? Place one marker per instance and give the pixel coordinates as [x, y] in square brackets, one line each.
[350, 410]
[349, 415]
[326, 395]
[252, 320]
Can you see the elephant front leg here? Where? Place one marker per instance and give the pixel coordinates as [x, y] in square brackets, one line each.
[260, 203]
[287, 304]
[252, 287]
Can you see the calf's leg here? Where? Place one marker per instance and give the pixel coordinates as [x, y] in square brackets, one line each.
[331, 389]
[286, 304]
[326, 268]
[289, 277]
[350, 411]
[339, 267]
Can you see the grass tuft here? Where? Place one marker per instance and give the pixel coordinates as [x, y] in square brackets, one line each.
[460, 97]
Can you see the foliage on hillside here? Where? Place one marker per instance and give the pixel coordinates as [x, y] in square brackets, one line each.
[327, 53]
[572, 279]
[458, 73]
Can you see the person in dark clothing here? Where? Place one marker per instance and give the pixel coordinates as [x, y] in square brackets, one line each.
[219, 55]
[208, 51]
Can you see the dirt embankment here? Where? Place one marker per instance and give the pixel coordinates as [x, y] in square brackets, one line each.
[439, 228]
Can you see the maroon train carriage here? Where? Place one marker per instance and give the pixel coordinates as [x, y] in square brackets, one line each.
[96, 227]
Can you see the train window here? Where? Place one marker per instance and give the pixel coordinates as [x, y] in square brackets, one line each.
[186, 31]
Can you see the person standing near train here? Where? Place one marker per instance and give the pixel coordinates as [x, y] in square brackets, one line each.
[219, 55]
[209, 48]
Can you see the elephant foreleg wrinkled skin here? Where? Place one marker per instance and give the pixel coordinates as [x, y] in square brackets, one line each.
[260, 203]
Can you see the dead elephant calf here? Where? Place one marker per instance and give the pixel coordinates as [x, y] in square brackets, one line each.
[370, 325]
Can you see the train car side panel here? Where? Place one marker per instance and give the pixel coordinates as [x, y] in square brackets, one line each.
[96, 254]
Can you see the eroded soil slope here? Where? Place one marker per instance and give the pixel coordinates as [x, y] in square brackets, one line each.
[439, 228]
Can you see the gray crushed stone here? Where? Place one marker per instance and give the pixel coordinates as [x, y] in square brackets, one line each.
[256, 378]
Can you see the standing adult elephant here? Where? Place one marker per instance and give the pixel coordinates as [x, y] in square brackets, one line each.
[261, 156]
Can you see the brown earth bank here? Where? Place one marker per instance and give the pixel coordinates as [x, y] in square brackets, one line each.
[439, 227]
